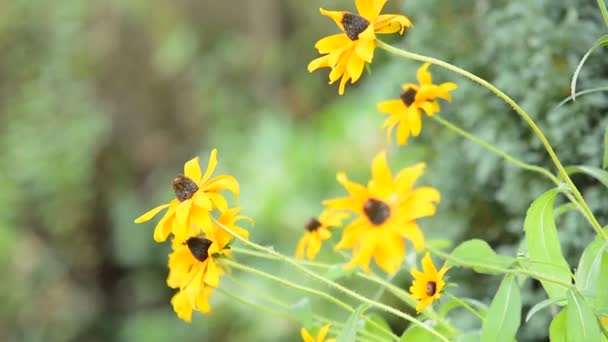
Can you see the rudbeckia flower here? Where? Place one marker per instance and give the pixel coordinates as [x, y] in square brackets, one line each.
[387, 210]
[317, 230]
[183, 305]
[405, 111]
[196, 196]
[427, 285]
[346, 53]
[307, 337]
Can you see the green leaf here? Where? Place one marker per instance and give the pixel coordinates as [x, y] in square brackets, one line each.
[600, 42]
[543, 244]
[303, 312]
[338, 271]
[478, 255]
[504, 315]
[590, 267]
[581, 323]
[557, 329]
[603, 10]
[597, 173]
[353, 323]
[545, 303]
[374, 330]
[481, 307]
[580, 93]
[440, 244]
[417, 334]
[605, 159]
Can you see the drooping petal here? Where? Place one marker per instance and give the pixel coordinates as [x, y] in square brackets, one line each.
[202, 300]
[212, 274]
[336, 16]
[365, 49]
[302, 243]
[332, 43]
[211, 165]
[314, 246]
[414, 121]
[164, 226]
[355, 67]
[192, 170]
[391, 23]
[218, 201]
[151, 213]
[182, 306]
[321, 62]
[403, 132]
[223, 182]
[390, 255]
[343, 82]
[181, 222]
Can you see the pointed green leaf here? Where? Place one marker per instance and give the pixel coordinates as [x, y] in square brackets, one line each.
[557, 329]
[545, 303]
[543, 244]
[303, 312]
[590, 267]
[603, 10]
[504, 315]
[600, 42]
[418, 334]
[581, 323]
[599, 174]
[374, 330]
[353, 323]
[478, 255]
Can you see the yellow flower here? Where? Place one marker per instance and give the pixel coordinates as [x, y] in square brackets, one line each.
[427, 285]
[196, 196]
[346, 53]
[405, 111]
[387, 209]
[183, 305]
[192, 264]
[307, 337]
[317, 231]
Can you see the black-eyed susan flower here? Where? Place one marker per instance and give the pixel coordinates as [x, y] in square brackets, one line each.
[387, 210]
[183, 305]
[427, 285]
[307, 337]
[405, 111]
[317, 230]
[196, 195]
[346, 53]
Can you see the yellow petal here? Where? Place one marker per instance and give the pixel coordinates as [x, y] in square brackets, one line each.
[202, 300]
[302, 243]
[406, 177]
[192, 170]
[412, 232]
[379, 5]
[306, 335]
[414, 121]
[366, 8]
[218, 201]
[212, 276]
[423, 75]
[210, 166]
[321, 62]
[355, 67]
[403, 132]
[314, 245]
[180, 224]
[430, 107]
[428, 267]
[390, 256]
[150, 214]
[365, 49]
[332, 43]
[201, 200]
[356, 190]
[164, 227]
[336, 16]
[338, 62]
[391, 23]
[423, 304]
[381, 173]
[323, 332]
[223, 182]
[182, 306]
[345, 79]
[391, 107]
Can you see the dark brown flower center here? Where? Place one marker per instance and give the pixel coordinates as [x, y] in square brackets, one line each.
[199, 247]
[377, 211]
[313, 224]
[354, 24]
[409, 96]
[184, 187]
[431, 288]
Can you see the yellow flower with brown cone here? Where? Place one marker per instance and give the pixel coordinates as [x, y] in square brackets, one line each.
[427, 285]
[317, 231]
[406, 110]
[346, 53]
[387, 211]
[307, 337]
[197, 195]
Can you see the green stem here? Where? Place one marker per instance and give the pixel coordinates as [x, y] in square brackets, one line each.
[255, 306]
[335, 285]
[562, 172]
[464, 305]
[301, 288]
[498, 269]
[604, 11]
[495, 150]
[397, 291]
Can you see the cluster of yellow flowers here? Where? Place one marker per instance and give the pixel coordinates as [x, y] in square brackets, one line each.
[387, 208]
[198, 238]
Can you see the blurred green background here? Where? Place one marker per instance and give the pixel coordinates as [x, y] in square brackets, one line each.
[101, 103]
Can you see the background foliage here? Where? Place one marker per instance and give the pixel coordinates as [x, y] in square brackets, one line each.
[102, 102]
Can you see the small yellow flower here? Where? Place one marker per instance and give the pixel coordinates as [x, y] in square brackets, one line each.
[427, 285]
[346, 53]
[388, 208]
[196, 196]
[307, 337]
[183, 305]
[405, 111]
[317, 230]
